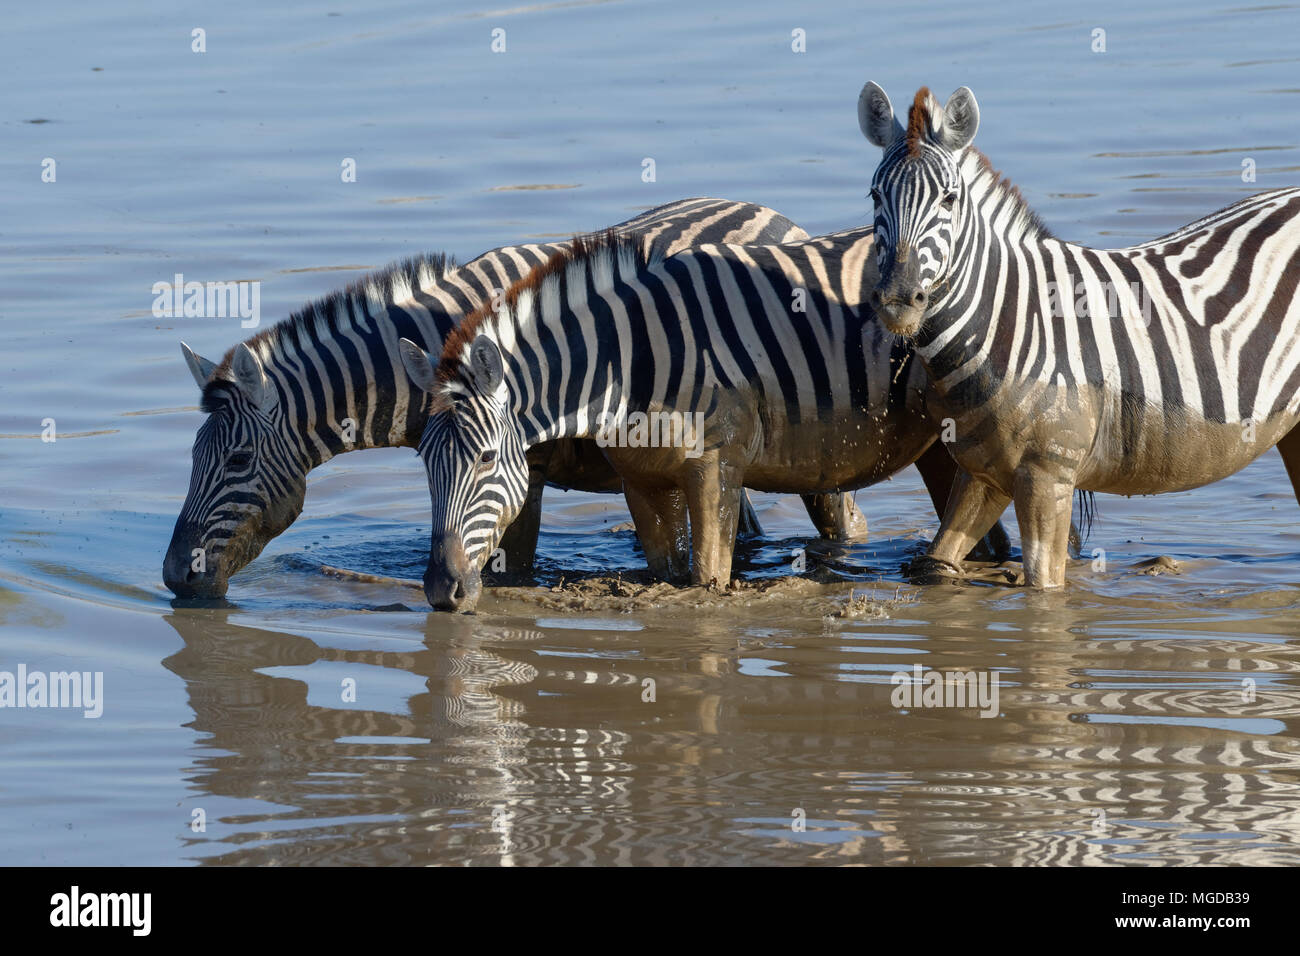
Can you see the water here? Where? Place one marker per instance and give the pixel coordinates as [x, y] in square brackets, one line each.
[521, 735]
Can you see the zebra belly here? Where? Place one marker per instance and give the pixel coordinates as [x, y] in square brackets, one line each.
[1175, 451]
[578, 464]
[1098, 440]
[837, 456]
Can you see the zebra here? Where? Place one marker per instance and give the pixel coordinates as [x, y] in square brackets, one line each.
[328, 380]
[1158, 367]
[762, 361]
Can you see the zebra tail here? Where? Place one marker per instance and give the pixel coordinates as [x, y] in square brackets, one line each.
[1087, 513]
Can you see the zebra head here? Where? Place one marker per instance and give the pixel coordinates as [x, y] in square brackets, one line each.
[247, 480]
[919, 197]
[474, 453]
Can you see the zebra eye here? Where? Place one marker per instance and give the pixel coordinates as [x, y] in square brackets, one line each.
[875, 196]
[948, 200]
[240, 460]
[488, 457]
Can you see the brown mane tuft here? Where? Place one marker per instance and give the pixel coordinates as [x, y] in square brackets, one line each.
[582, 247]
[918, 121]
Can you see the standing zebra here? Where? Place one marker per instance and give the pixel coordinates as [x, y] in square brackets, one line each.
[1158, 367]
[718, 367]
[329, 380]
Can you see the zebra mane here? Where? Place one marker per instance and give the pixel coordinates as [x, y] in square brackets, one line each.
[598, 256]
[990, 186]
[339, 311]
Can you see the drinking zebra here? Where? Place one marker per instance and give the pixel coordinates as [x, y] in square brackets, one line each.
[329, 380]
[760, 361]
[1158, 367]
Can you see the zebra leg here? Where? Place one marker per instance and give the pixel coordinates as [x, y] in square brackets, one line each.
[659, 513]
[713, 500]
[1043, 503]
[973, 508]
[748, 525]
[1289, 447]
[939, 472]
[836, 516]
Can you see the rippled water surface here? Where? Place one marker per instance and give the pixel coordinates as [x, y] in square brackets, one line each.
[1142, 719]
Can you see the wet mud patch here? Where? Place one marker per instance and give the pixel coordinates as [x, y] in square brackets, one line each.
[364, 577]
[821, 595]
[1161, 564]
[814, 596]
[926, 570]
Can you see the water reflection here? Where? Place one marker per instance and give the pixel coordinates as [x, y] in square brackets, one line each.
[541, 740]
[447, 751]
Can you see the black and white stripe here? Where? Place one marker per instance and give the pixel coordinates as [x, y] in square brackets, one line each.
[1157, 367]
[336, 362]
[780, 331]
[1217, 293]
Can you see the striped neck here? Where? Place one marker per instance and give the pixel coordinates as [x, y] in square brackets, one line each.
[996, 223]
[335, 363]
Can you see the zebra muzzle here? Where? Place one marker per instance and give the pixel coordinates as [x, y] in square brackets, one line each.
[189, 572]
[451, 582]
[899, 300]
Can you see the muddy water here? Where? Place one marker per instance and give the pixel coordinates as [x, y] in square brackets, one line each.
[322, 716]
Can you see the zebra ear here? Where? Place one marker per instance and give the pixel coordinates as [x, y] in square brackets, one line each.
[876, 117]
[485, 365]
[250, 379]
[961, 118]
[200, 367]
[418, 364]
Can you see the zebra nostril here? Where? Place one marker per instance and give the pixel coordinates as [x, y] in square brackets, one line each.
[919, 298]
[460, 591]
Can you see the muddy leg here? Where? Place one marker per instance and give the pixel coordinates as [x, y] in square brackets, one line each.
[836, 516]
[660, 517]
[1043, 511]
[1289, 446]
[713, 499]
[939, 472]
[972, 509]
